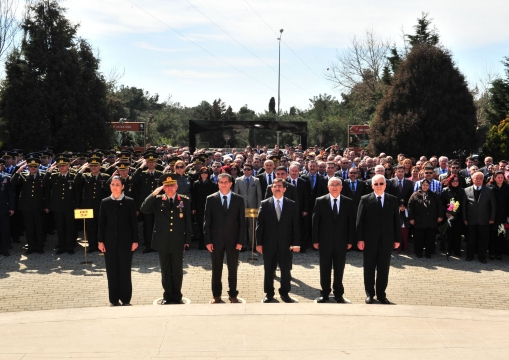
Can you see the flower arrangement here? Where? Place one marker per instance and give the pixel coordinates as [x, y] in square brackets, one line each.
[502, 229]
[452, 210]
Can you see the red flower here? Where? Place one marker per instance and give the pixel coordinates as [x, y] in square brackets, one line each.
[506, 226]
[178, 197]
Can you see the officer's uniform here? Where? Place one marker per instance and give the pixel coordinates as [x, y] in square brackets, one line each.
[31, 204]
[171, 232]
[92, 189]
[61, 199]
[7, 203]
[147, 182]
[130, 188]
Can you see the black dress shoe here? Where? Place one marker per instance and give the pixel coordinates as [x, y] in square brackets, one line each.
[29, 251]
[469, 258]
[244, 249]
[5, 253]
[286, 299]
[179, 302]
[166, 302]
[116, 304]
[302, 251]
[268, 299]
[40, 251]
[71, 252]
[60, 251]
[147, 250]
[322, 299]
[499, 257]
[369, 300]
[483, 260]
[384, 301]
[428, 256]
[342, 300]
[126, 304]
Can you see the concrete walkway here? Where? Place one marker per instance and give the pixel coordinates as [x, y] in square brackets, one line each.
[257, 331]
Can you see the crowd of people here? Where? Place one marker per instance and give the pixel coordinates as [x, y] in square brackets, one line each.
[434, 198]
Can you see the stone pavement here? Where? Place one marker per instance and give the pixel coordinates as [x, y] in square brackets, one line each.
[257, 331]
[48, 281]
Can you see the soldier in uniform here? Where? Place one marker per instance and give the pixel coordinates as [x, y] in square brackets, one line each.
[130, 188]
[61, 199]
[31, 203]
[7, 209]
[92, 188]
[171, 234]
[147, 181]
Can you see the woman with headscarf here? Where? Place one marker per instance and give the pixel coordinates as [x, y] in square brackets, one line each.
[497, 237]
[202, 188]
[424, 213]
[453, 192]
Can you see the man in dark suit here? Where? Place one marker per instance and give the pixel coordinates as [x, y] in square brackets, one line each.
[378, 233]
[399, 186]
[224, 230]
[171, 234]
[303, 197]
[291, 190]
[266, 177]
[277, 235]
[353, 188]
[333, 235]
[478, 213]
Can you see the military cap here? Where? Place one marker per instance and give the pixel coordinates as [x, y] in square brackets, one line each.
[94, 160]
[168, 179]
[125, 155]
[173, 160]
[95, 154]
[123, 166]
[48, 148]
[33, 161]
[110, 153]
[150, 156]
[274, 158]
[6, 154]
[200, 159]
[20, 151]
[45, 153]
[62, 160]
[34, 155]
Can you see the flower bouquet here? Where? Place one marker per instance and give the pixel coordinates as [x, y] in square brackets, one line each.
[452, 210]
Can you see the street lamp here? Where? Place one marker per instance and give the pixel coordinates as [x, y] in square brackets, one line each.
[279, 82]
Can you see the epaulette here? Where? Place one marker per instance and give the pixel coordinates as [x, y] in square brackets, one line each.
[183, 196]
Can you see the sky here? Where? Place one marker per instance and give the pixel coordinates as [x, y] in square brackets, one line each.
[195, 50]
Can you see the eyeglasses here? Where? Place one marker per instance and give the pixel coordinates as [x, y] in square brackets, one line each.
[179, 167]
[204, 172]
[455, 180]
[428, 172]
[216, 166]
[248, 169]
[455, 167]
[378, 184]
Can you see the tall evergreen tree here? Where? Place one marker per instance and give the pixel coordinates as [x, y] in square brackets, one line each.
[272, 105]
[423, 34]
[53, 92]
[498, 108]
[428, 109]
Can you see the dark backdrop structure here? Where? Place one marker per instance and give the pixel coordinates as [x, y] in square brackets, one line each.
[294, 127]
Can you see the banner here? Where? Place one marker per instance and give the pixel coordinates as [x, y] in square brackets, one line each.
[129, 134]
[358, 137]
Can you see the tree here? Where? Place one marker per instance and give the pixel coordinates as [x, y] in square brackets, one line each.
[424, 35]
[9, 26]
[499, 97]
[272, 105]
[53, 92]
[428, 109]
[497, 141]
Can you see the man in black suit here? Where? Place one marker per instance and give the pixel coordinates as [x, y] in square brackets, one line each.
[224, 230]
[291, 190]
[171, 234]
[266, 177]
[354, 188]
[478, 213]
[302, 195]
[333, 235]
[277, 235]
[399, 186]
[378, 233]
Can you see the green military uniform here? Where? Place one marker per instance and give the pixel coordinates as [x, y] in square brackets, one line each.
[130, 187]
[172, 231]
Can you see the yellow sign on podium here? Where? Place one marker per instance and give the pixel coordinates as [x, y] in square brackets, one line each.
[83, 213]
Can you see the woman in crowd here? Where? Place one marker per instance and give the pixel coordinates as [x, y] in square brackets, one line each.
[226, 169]
[235, 171]
[183, 182]
[424, 213]
[202, 188]
[389, 171]
[407, 164]
[501, 190]
[453, 192]
[415, 174]
[118, 238]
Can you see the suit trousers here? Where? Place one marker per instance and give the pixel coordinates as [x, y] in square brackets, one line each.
[118, 271]
[16, 225]
[330, 259]
[232, 262]
[496, 246]
[424, 237]
[65, 229]
[172, 274]
[5, 240]
[148, 228]
[270, 262]
[34, 229]
[477, 240]
[377, 258]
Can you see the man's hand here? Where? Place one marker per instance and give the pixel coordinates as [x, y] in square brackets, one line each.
[46, 211]
[259, 248]
[295, 248]
[158, 190]
[316, 246]
[491, 222]
[360, 245]
[103, 249]
[466, 222]
[238, 247]
[412, 222]
[23, 165]
[11, 212]
[193, 212]
[134, 246]
[304, 213]
[348, 246]
[210, 247]
[396, 245]
[439, 219]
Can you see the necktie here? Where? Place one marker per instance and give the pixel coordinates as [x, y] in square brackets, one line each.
[344, 175]
[400, 186]
[270, 179]
[353, 187]
[335, 208]
[278, 210]
[476, 194]
[247, 182]
[380, 202]
[293, 182]
[225, 203]
[312, 182]
[171, 203]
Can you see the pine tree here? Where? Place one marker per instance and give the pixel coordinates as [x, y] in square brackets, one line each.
[53, 93]
[428, 109]
[272, 105]
[498, 107]
[424, 35]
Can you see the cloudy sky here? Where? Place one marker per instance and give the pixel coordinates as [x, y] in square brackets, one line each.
[194, 50]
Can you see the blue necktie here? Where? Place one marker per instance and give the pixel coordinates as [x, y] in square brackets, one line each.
[312, 182]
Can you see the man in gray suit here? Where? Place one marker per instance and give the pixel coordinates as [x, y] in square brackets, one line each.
[479, 213]
[250, 189]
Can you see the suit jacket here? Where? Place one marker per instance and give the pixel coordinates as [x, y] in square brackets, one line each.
[7, 195]
[91, 191]
[33, 195]
[172, 226]
[482, 211]
[263, 180]
[374, 223]
[359, 192]
[290, 193]
[333, 232]
[320, 189]
[252, 196]
[118, 228]
[425, 216]
[406, 191]
[302, 194]
[276, 235]
[224, 229]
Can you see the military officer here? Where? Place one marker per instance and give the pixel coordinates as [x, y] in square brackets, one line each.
[61, 198]
[130, 188]
[171, 234]
[147, 181]
[7, 209]
[31, 203]
[92, 187]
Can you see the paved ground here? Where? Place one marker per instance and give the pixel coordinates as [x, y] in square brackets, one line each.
[49, 281]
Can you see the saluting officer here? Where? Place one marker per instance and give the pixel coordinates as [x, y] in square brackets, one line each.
[92, 188]
[171, 234]
[130, 188]
[61, 198]
[147, 181]
[31, 203]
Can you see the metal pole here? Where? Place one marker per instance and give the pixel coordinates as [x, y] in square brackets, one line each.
[279, 83]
